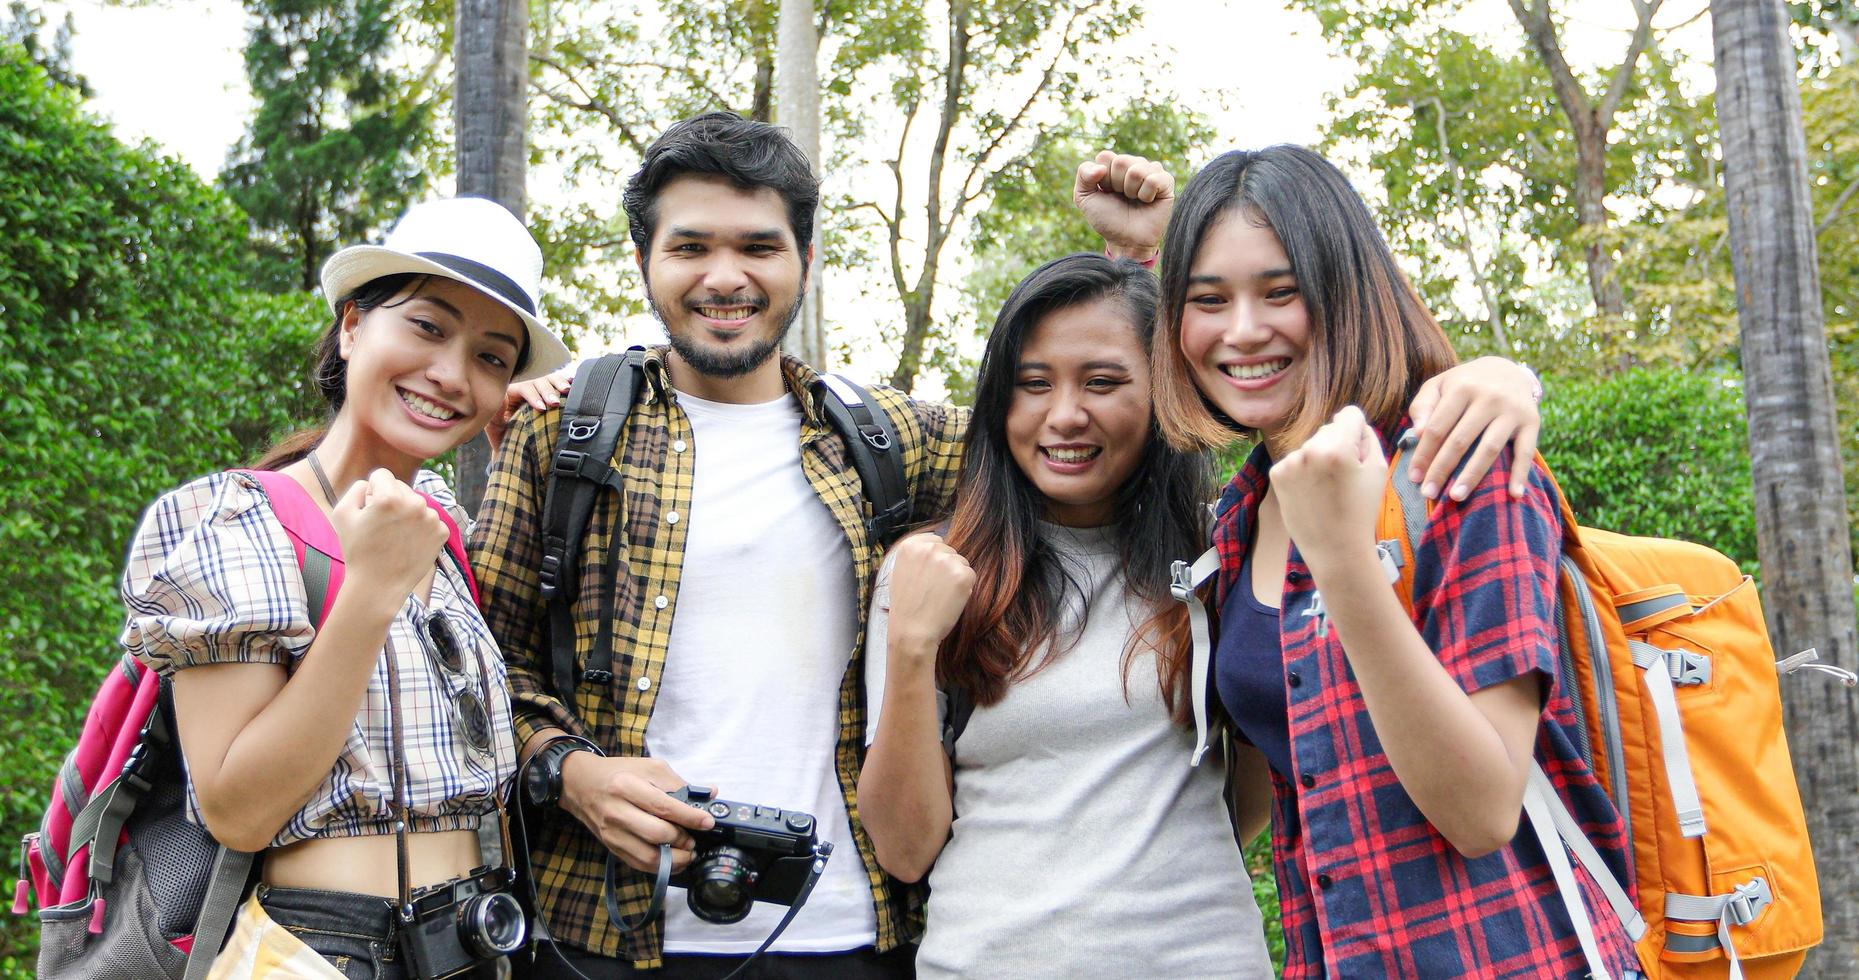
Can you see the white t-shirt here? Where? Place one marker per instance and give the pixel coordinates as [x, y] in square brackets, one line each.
[761, 636]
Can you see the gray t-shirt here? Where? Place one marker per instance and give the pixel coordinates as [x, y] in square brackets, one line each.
[1083, 845]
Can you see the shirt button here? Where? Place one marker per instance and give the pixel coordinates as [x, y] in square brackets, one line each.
[645, 683]
[661, 602]
[671, 518]
[1294, 577]
[1294, 680]
[1307, 780]
[678, 446]
[1324, 882]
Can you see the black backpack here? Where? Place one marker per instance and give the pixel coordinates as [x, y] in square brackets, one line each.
[593, 418]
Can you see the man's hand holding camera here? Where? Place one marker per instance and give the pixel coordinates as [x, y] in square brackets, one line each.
[623, 802]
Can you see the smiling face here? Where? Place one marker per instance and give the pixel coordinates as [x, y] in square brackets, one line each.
[724, 274]
[427, 369]
[1079, 418]
[1245, 331]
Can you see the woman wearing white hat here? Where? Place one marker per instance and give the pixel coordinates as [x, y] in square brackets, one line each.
[359, 755]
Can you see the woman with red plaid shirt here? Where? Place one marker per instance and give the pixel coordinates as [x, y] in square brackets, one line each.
[1397, 749]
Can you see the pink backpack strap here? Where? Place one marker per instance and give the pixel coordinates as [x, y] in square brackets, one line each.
[311, 534]
[312, 537]
[455, 543]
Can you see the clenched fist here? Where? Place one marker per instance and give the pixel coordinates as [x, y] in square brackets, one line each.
[930, 585]
[1126, 199]
[1330, 488]
[390, 536]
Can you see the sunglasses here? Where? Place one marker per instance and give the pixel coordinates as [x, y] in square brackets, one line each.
[470, 716]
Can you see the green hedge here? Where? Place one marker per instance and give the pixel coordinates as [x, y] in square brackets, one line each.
[1656, 452]
[132, 359]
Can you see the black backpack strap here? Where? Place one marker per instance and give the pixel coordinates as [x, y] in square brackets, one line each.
[871, 440]
[593, 417]
[959, 706]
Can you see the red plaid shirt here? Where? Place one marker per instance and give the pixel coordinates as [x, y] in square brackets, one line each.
[1367, 887]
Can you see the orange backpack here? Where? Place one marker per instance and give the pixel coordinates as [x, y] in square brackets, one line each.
[1666, 656]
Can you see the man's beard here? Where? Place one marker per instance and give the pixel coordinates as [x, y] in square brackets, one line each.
[714, 363]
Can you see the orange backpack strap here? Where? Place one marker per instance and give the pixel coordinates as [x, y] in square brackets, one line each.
[1403, 520]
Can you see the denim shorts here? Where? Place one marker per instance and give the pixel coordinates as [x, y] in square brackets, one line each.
[353, 932]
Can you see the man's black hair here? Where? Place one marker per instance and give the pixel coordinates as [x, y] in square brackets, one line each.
[748, 154]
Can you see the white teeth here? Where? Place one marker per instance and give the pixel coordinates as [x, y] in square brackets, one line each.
[431, 410]
[1071, 455]
[1266, 369]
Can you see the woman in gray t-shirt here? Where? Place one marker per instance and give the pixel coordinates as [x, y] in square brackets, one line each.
[1069, 836]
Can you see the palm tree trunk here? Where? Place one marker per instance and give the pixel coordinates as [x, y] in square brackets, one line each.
[1802, 533]
[492, 115]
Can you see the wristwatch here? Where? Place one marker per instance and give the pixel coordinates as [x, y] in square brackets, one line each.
[542, 775]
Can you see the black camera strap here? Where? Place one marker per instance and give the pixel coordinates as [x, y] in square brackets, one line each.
[821, 852]
[662, 881]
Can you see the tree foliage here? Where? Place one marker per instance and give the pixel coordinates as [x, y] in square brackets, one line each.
[133, 359]
[332, 154]
[24, 26]
[1660, 452]
[1030, 217]
[1478, 172]
[925, 109]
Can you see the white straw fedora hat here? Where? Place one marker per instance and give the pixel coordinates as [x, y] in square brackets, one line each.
[473, 240]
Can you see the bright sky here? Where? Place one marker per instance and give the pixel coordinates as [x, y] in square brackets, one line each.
[171, 70]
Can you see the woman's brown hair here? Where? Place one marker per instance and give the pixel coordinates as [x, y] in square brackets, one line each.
[1372, 342]
[1011, 627]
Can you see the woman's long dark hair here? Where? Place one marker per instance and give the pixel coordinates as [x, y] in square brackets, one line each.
[1010, 627]
[331, 373]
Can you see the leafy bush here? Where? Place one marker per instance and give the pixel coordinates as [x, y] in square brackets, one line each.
[1656, 452]
[132, 359]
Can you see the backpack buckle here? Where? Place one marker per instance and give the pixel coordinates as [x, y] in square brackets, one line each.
[1180, 581]
[875, 437]
[593, 676]
[1688, 669]
[581, 430]
[550, 575]
[1747, 901]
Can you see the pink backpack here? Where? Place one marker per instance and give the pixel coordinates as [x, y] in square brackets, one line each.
[127, 886]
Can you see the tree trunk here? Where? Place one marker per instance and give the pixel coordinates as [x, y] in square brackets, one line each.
[920, 302]
[1591, 214]
[1794, 446]
[761, 102]
[916, 332]
[492, 114]
[1590, 118]
[797, 80]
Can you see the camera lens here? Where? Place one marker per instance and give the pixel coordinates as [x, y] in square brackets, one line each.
[492, 925]
[723, 886]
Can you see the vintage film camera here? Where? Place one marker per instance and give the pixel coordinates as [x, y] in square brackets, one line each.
[754, 853]
[460, 923]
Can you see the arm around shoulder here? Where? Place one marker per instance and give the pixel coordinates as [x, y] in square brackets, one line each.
[506, 556]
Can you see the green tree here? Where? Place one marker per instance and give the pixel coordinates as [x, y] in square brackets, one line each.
[332, 153]
[938, 100]
[24, 26]
[1030, 217]
[133, 360]
[1480, 173]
